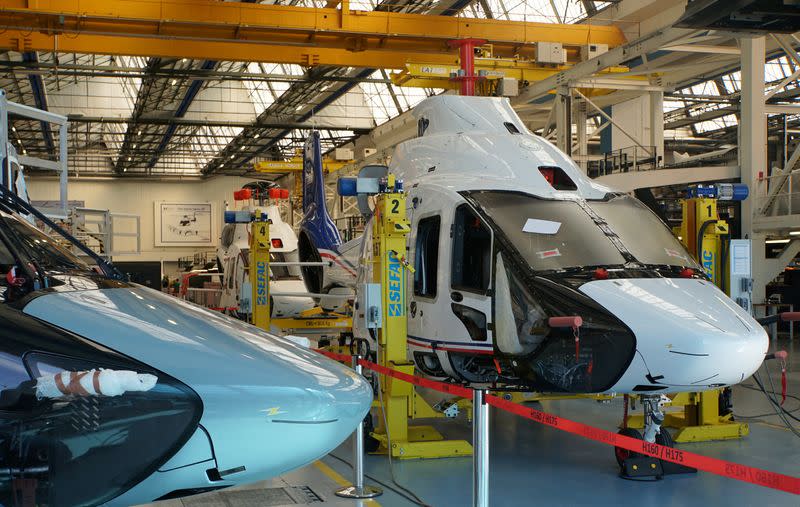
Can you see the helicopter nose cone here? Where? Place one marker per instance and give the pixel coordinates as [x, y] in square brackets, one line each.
[690, 336]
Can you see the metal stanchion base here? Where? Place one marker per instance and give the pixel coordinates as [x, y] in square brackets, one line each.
[354, 492]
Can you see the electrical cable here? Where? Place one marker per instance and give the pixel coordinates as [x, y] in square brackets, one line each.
[775, 402]
[774, 393]
[767, 414]
[417, 500]
[772, 385]
[779, 410]
[376, 480]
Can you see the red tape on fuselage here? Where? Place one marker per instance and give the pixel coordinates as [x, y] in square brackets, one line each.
[758, 476]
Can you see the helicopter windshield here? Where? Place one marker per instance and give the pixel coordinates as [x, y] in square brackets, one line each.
[561, 234]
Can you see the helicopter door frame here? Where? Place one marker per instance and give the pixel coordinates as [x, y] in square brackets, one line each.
[471, 274]
[423, 326]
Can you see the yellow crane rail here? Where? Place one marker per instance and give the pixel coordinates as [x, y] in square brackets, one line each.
[295, 164]
[432, 75]
[269, 33]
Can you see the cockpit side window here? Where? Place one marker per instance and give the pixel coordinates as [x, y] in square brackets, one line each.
[426, 256]
[422, 126]
[472, 252]
[280, 272]
[227, 236]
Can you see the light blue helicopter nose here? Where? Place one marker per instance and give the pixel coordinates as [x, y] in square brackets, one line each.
[269, 405]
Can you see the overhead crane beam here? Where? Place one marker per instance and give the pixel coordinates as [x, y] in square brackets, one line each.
[269, 33]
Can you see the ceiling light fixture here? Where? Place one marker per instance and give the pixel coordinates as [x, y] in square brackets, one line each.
[777, 241]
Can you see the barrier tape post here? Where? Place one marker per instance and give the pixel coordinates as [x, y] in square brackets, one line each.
[358, 489]
[744, 473]
[480, 449]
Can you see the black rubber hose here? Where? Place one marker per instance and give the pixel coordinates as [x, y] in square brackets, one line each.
[725, 246]
[699, 247]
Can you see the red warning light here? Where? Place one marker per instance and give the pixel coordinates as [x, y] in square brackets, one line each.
[277, 243]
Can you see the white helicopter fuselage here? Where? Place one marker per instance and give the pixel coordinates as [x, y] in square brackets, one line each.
[233, 257]
[507, 232]
[498, 248]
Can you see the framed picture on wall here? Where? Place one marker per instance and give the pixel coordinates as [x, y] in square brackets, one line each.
[184, 224]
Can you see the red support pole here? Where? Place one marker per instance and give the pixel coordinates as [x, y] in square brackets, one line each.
[467, 56]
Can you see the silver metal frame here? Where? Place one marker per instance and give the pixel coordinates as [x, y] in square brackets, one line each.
[107, 229]
[7, 107]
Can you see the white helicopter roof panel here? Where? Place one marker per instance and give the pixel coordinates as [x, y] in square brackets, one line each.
[474, 143]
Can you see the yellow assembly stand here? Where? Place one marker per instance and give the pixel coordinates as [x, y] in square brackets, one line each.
[401, 402]
[313, 320]
[702, 233]
[259, 272]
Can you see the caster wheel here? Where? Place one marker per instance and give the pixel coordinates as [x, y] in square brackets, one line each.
[623, 454]
[370, 444]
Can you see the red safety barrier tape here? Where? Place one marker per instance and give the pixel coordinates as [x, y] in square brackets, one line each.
[443, 387]
[736, 471]
[338, 357]
[758, 476]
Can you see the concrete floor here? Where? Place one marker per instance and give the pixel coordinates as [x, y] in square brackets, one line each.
[536, 465]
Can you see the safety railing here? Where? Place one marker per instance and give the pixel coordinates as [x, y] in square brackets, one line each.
[779, 194]
[350, 227]
[481, 400]
[623, 160]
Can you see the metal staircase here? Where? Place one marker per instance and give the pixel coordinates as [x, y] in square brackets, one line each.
[782, 190]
